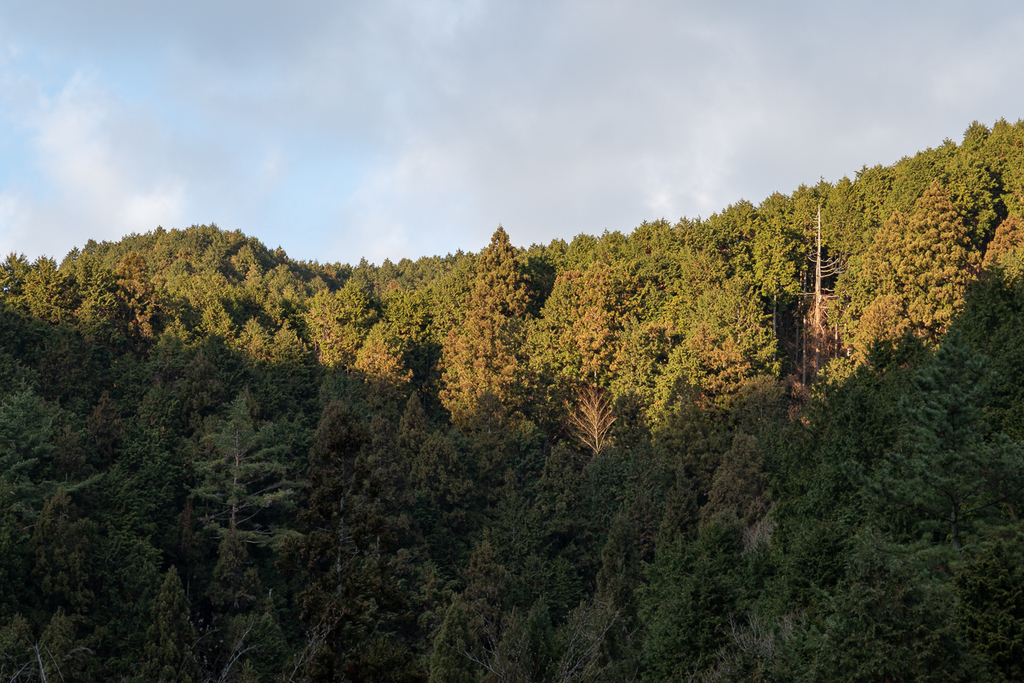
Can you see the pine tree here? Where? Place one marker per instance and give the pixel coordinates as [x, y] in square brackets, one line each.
[882, 623]
[244, 475]
[948, 470]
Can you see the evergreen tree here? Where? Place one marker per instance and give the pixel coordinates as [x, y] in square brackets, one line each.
[483, 356]
[61, 543]
[169, 640]
[739, 484]
[338, 323]
[140, 307]
[991, 592]
[686, 607]
[940, 262]
[776, 253]
[617, 582]
[948, 469]
[26, 450]
[352, 602]
[452, 658]
[245, 474]
[917, 271]
[882, 623]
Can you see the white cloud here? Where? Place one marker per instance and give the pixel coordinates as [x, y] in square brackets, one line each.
[106, 169]
[403, 128]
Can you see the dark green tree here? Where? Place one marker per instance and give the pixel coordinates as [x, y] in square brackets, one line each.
[882, 622]
[351, 602]
[692, 592]
[452, 657]
[62, 545]
[948, 469]
[170, 638]
[991, 592]
[246, 473]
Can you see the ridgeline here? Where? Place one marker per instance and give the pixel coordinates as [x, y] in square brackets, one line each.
[781, 443]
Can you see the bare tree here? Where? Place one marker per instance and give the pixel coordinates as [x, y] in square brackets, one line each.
[752, 651]
[591, 418]
[584, 633]
[815, 326]
[316, 636]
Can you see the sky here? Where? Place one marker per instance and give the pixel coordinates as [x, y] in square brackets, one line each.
[394, 129]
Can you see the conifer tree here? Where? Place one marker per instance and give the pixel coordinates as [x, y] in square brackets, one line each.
[881, 623]
[14, 273]
[948, 469]
[775, 252]
[581, 321]
[991, 592]
[617, 581]
[138, 297]
[352, 599]
[1005, 248]
[451, 660]
[738, 483]
[11, 537]
[482, 357]
[691, 594]
[243, 476]
[917, 270]
[170, 637]
[49, 293]
[61, 545]
[106, 429]
[940, 262]
[338, 323]
[25, 450]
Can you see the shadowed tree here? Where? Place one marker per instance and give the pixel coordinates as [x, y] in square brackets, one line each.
[991, 592]
[352, 603]
[61, 542]
[170, 638]
[948, 469]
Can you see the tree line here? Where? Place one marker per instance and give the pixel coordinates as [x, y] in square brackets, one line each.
[779, 443]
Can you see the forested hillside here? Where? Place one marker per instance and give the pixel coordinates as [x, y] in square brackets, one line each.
[780, 443]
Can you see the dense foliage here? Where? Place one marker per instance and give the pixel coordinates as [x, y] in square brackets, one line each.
[750, 447]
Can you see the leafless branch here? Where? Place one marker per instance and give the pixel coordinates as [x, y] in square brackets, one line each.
[591, 418]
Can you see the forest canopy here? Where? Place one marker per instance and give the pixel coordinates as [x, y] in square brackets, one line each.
[780, 443]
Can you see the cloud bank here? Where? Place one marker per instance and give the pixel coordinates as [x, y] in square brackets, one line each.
[400, 129]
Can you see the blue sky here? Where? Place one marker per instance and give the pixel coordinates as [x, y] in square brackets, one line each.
[401, 129]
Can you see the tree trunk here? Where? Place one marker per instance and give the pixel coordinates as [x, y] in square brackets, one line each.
[341, 540]
[954, 522]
